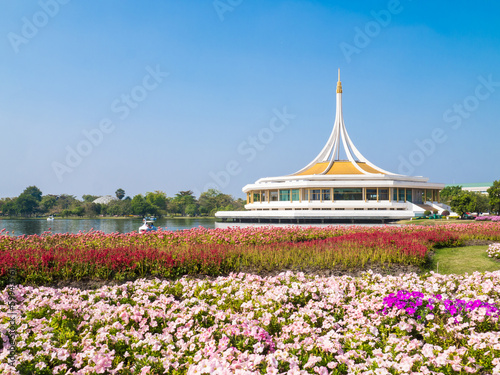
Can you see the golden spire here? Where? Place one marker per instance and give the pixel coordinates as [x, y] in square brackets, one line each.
[339, 85]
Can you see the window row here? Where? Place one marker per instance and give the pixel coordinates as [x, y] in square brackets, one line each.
[344, 194]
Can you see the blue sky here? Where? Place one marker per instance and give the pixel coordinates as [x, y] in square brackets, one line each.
[177, 95]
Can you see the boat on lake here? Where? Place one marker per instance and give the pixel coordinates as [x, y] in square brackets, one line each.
[147, 226]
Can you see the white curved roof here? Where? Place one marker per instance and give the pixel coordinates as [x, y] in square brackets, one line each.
[106, 199]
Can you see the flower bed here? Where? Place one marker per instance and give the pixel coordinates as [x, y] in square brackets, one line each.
[81, 256]
[488, 218]
[237, 236]
[249, 324]
[494, 250]
[50, 258]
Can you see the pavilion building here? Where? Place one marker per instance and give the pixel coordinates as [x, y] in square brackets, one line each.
[333, 189]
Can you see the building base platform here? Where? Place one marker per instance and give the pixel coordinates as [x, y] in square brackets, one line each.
[315, 216]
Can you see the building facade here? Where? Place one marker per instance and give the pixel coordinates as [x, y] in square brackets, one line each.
[337, 187]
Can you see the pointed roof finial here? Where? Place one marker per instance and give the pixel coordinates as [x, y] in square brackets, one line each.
[339, 85]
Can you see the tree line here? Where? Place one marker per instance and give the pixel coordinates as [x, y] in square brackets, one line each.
[31, 202]
[462, 201]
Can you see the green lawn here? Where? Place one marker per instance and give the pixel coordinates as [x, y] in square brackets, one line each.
[434, 221]
[459, 260]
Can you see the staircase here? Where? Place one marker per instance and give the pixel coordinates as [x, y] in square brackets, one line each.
[426, 207]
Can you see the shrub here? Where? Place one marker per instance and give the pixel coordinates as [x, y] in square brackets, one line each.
[427, 213]
[445, 213]
[435, 212]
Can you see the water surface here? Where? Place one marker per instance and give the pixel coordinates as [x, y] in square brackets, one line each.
[38, 226]
[19, 227]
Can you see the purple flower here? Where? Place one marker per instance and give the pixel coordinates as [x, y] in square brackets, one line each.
[411, 302]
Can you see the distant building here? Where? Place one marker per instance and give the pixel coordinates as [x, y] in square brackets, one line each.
[331, 189]
[106, 199]
[476, 187]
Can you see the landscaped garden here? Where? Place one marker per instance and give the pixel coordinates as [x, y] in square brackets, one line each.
[257, 300]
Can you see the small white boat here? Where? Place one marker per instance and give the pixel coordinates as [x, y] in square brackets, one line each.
[147, 226]
[50, 218]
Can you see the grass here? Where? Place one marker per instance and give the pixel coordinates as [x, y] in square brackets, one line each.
[434, 221]
[460, 260]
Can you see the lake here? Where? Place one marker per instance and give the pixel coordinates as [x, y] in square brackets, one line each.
[19, 227]
[38, 226]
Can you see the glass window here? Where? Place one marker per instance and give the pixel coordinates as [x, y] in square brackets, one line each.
[305, 195]
[401, 194]
[284, 195]
[315, 194]
[295, 194]
[325, 194]
[273, 194]
[383, 194]
[409, 194]
[394, 194]
[371, 194]
[348, 194]
[264, 196]
[256, 196]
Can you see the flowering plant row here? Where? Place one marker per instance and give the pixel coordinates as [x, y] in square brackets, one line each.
[238, 236]
[488, 218]
[347, 250]
[246, 324]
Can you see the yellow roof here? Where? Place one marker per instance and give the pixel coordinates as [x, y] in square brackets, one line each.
[338, 167]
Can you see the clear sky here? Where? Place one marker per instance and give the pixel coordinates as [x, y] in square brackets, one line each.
[188, 95]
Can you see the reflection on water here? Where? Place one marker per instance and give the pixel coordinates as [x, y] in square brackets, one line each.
[38, 226]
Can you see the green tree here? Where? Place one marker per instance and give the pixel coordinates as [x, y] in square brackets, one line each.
[34, 192]
[481, 203]
[89, 198]
[113, 208]
[78, 211]
[140, 206]
[239, 204]
[494, 195]
[447, 194]
[191, 209]
[28, 201]
[158, 200]
[119, 208]
[120, 193]
[173, 207]
[47, 202]
[183, 199]
[126, 206]
[26, 204]
[91, 209]
[213, 200]
[463, 203]
[65, 201]
[9, 207]
[208, 201]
